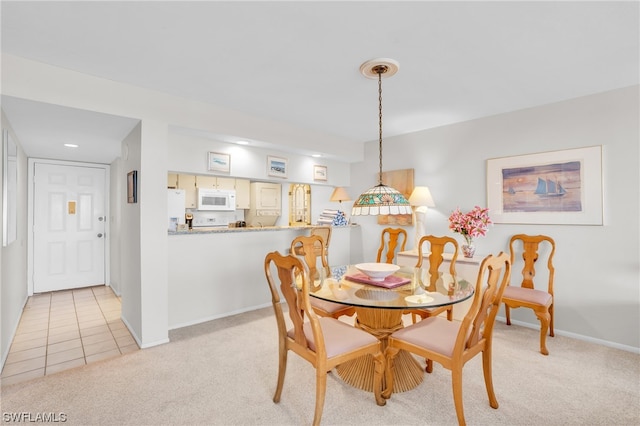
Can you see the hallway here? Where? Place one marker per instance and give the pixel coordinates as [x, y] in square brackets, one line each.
[66, 329]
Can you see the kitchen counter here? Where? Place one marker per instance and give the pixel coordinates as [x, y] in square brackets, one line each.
[217, 272]
[224, 229]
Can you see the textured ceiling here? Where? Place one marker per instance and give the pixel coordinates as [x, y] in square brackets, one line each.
[297, 63]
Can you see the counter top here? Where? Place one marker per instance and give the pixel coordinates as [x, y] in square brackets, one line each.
[224, 229]
[476, 259]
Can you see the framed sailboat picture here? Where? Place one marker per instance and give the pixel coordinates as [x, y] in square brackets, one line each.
[556, 187]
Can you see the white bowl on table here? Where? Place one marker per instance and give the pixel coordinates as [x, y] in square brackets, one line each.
[377, 271]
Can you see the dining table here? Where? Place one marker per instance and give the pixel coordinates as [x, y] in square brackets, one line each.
[380, 306]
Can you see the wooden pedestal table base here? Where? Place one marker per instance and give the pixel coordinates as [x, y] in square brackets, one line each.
[359, 373]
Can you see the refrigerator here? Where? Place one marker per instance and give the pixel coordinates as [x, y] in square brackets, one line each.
[175, 208]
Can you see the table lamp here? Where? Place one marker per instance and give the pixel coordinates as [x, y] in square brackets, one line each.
[340, 195]
[420, 199]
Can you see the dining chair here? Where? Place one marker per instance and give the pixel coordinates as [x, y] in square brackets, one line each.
[389, 240]
[325, 233]
[436, 246]
[310, 249]
[323, 341]
[526, 295]
[453, 343]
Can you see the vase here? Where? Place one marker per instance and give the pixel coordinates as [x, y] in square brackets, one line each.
[468, 250]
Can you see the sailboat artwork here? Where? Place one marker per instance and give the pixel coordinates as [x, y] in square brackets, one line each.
[555, 187]
[549, 188]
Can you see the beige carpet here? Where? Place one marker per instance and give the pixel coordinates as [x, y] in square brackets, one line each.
[224, 373]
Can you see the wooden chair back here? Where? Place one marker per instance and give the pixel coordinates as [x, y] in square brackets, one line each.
[325, 233]
[292, 276]
[530, 248]
[436, 246]
[529, 251]
[312, 251]
[392, 240]
[477, 325]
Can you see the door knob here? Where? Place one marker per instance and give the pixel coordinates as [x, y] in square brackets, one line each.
[100, 235]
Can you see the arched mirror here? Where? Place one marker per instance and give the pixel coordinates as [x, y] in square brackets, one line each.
[299, 204]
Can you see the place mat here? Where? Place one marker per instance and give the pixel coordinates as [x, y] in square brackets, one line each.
[391, 281]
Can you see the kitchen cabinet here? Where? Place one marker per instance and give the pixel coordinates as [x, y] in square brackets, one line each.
[172, 180]
[215, 182]
[188, 183]
[191, 183]
[243, 193]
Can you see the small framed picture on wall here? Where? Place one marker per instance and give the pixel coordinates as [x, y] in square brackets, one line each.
[319, 173]
[277, 166]
[218, 162]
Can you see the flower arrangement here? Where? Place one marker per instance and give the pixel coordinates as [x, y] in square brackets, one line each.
[472, 224]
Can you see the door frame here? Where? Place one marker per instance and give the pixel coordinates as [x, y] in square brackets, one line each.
[30, 203]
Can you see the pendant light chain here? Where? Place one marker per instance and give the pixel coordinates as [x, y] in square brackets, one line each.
[380, 71]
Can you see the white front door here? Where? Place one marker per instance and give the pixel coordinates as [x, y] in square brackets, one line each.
[68, 227]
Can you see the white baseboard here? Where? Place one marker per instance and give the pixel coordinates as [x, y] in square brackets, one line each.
[576, 336]
[14, 329]
[214, 317]
[137, 339]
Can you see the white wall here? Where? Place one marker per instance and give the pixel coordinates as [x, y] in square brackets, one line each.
[129, 248]
[13, 258]
[152, 199]
[188, 154]
[115, 218]
[597, 267]
[143, 237]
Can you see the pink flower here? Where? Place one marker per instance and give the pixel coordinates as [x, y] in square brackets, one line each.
[472, 224]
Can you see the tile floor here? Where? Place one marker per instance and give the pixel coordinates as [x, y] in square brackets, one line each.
[66, 329]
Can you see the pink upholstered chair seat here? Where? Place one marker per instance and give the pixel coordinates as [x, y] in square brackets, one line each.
[330, 307]
[339, 337]
[433, 333]
[536, 297]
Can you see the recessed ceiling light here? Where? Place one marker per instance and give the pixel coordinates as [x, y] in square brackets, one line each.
[316, 155]
[70, 145]
[243, 142]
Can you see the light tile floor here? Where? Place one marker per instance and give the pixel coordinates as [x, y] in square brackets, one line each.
[66, 329]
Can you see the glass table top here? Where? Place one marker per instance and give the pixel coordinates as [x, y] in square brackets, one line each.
[338, 284]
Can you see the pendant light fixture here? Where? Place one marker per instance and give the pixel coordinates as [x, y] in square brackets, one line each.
[381, 199]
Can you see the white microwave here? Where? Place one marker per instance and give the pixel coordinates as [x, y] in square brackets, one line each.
[216, 199]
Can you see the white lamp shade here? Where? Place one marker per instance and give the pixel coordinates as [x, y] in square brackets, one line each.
[421, 196]
[340, 194]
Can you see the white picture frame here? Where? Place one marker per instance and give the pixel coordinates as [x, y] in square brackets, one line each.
[320, 173]
[219, 162]
[556, 187]
[277, 166]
